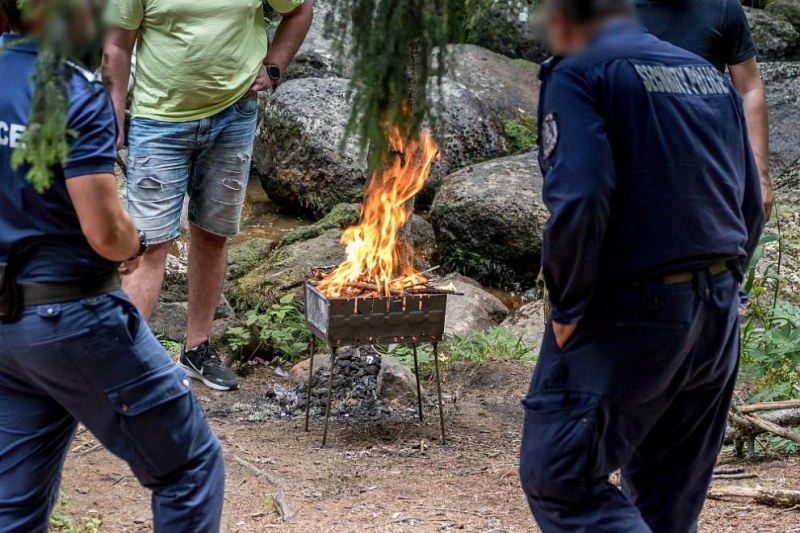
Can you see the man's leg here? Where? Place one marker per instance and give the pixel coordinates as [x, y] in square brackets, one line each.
[35, 433]
[217, 196]
[159, 165]
[144, 284]
[669, 475]
[208, 261]
[98, 359]
[591, 404]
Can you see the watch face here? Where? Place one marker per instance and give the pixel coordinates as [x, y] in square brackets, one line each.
[274, 72]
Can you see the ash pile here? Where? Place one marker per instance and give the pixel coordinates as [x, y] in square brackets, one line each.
[366, 387]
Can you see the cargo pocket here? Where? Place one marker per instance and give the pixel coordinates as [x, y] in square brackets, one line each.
[154, 411]
[557, 444]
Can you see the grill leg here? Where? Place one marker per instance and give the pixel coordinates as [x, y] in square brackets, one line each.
[330, 396]
[310, 379]
[419, 389]
[439, 389]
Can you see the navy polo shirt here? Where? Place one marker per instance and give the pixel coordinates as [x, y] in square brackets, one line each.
[40, 233]
[647, 168]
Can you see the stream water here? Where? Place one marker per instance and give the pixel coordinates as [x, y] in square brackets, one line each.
[264, 219]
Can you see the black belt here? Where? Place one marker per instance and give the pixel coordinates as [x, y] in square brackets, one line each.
[54, 293]
[690, 276]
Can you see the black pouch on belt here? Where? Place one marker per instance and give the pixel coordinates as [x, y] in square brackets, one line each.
[10, 296]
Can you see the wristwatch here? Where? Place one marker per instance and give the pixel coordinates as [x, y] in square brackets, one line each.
[274, 72]
[142, 246]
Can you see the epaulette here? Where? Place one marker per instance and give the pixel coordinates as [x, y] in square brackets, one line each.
[548, 65]
[91, 77]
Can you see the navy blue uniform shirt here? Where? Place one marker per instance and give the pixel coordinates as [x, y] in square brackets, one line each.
[647, 166]
[41, 232]
[716, 30]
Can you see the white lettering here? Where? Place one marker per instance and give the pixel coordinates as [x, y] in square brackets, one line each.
[3, 133]
[681, 80]
[16, 133]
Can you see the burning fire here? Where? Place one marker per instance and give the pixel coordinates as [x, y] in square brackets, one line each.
[379, 259]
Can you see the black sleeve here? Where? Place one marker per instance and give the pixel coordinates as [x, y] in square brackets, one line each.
[738, 45]
[93, 150]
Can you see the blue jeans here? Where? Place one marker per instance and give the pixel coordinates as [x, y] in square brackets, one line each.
[209, 159]
[95, 362]
[644, 385]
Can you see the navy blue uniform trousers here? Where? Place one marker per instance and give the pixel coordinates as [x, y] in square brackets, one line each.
[644, 385]
[96, 362]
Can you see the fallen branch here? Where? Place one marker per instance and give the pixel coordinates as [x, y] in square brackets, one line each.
[280, 496]
[763, 495]
[769, 406]
[734, 476]
[771, 427]
[742, 429]
[726, 470]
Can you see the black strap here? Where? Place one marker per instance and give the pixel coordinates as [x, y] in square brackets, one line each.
[53, 293]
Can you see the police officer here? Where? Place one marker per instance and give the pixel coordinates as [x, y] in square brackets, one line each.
[655, 211]
[77, 350]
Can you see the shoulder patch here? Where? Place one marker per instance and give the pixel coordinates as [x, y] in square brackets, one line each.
[549, 135]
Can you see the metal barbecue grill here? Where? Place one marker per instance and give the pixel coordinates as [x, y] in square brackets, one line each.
[408, 319]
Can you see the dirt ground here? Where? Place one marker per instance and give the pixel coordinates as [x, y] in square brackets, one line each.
[392, 476]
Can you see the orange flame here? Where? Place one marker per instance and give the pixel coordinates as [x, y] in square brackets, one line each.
[376, 253]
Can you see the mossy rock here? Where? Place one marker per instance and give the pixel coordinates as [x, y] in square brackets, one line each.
[248, 255]
[521, 134]
[340, 217]
[284, 271]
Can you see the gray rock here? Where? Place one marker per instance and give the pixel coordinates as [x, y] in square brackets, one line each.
[175, 287]
[775, 37]
[476, 310]
[782, 81]
[787, 9]
[247, 255]
[288, 265]
[505, 86]
[299, 372]
[316, 57]
[489, 220]
[510, 27]
[466, 130]
[396, 383]
[297, 149]
[169, 321]
[423, 240]
[528, 322]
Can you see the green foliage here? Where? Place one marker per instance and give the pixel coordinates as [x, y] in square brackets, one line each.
[61, 522]
[480, 346]
[45, 142]
[771, 336]
[397, 47]
[520, 134]
[280, 330]
[169, 345]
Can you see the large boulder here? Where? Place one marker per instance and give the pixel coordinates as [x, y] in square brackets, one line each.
[782, 81]
[284, 270]
[340, 217]
[509, 88]
[297, 151]
[528, 322]
[317, 57]
[788, 9]
[466, 130]
[473, 310]
[509, 27]
[396, 383]
[489, 220]
[775, 37]
[247, 255]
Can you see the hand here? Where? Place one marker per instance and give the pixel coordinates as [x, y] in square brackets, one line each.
[129, 266]
[563, 333]
[261, 83]
[767, 197]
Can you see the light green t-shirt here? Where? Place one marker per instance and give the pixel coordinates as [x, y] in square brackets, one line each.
[194, 58]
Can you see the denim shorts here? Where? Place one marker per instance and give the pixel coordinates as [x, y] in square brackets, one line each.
[208, 159]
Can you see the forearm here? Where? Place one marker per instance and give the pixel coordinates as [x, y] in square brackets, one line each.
[121, 242]
[116, 73]
[755, 110]
[290, 35]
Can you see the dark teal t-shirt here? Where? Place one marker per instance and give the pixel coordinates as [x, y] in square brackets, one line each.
[716, 30]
